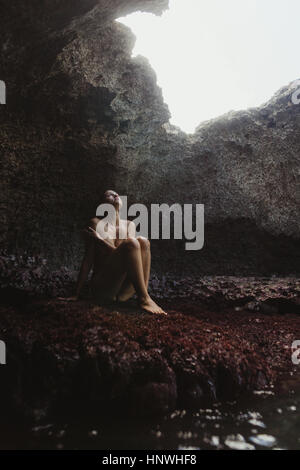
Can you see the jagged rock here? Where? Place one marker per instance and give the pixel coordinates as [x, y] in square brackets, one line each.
[83, 115]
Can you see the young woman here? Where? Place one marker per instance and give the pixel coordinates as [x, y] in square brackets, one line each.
[121, 262]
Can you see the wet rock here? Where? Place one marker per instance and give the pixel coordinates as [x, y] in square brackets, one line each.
[78, 357]
[153, 399]
[238, 443]
[280, 305]
[261, 380]
[193, 396]
[263, 440]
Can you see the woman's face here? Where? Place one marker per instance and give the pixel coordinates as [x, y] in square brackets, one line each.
[111, 197]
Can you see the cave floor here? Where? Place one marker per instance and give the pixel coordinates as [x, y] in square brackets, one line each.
[117, 356]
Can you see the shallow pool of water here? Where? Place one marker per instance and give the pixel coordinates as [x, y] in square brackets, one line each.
[260, 421]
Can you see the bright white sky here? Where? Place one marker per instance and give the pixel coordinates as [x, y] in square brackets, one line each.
[213, 56]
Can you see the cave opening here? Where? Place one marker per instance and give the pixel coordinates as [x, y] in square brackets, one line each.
[212, 57]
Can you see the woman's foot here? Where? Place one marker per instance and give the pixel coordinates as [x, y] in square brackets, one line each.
[150, 306]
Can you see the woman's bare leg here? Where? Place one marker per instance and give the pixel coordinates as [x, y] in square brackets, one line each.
[146, 258]
[135, 272]
[127, 259]
[127, 290]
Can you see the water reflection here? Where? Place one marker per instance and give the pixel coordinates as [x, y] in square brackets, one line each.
[261, 421]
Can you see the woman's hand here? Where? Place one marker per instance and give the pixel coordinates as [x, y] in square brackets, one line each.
[92, 233]
[104, 241]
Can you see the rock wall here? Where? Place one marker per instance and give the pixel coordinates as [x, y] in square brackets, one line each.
[82, 116]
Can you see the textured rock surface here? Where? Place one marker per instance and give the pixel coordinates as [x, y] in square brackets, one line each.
[82, 115]
[226, 337]
[72, 94]
[122, 360]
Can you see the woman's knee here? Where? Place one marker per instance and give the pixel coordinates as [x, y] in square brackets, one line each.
[131, 244]
[144, 243]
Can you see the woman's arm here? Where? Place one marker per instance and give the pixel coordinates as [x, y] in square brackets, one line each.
[131, 229]
[92, 237]
[103, 242]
